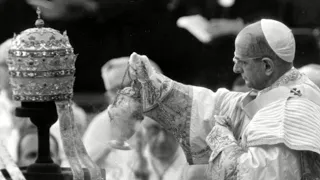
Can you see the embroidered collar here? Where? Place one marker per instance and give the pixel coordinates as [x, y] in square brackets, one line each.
[290, 76]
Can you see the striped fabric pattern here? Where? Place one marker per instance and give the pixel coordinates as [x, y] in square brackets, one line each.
[294, 121]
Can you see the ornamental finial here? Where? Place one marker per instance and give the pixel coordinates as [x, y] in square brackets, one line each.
[39, 22]
[39, 13]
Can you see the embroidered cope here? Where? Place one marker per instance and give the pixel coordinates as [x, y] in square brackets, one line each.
[235, 141]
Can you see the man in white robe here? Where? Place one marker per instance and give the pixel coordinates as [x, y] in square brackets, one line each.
[6, 104]
[269, 133]
[97, 135]
[165, 158]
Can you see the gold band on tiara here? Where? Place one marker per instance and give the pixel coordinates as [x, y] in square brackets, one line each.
[41, 66]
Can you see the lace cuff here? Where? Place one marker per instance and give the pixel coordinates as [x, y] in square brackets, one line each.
[225, 165]
[219, 139]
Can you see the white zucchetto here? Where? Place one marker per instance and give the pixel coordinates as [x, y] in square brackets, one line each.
[279, 38]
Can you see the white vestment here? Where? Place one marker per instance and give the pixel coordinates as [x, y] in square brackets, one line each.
[272, 140]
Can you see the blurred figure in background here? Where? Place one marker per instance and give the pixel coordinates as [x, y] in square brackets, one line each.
[97, 136]
[165, 158]
[229, 16]
[239, 85]
[313, 72]
[6, 104]
[9, 123]
[118, 163]
[19, 129]
[27, 147]
[215, 23]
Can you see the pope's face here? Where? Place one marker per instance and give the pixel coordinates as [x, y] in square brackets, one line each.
[248, 64]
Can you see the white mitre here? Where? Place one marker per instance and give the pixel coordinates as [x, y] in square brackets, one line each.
[279, 38]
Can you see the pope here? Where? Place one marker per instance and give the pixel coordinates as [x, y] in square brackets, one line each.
[271, 132]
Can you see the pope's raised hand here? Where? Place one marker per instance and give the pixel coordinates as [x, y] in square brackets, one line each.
[140, 67]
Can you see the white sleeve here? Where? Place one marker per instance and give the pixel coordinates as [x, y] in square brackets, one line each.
[230, 161]
[97, 136]
[275, 162]
[269, 162]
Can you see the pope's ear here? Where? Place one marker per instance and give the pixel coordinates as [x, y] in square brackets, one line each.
[268, 66]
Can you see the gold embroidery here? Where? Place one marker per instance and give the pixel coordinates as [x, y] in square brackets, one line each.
[174, 113]
[290, 76]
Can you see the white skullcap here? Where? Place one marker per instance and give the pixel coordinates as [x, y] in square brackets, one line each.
[279, 38]
[114, 71]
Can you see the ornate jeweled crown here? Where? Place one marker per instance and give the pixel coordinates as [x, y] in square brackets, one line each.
[41, 65]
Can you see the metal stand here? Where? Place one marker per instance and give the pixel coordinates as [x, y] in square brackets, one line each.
[44, 115]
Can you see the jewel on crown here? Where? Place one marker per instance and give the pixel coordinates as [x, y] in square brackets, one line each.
[41, 64]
